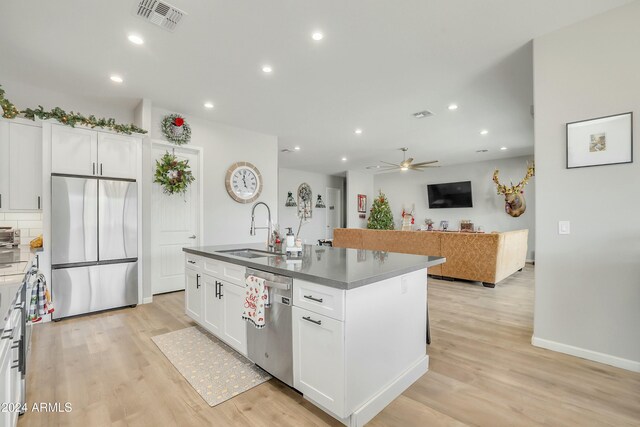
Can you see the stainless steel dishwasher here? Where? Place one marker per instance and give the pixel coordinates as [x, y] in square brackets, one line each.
[270, 347]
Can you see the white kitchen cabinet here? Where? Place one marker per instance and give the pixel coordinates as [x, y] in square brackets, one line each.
[20, 165]
[319, 359]
[214, 302]
[25, 167]
[117, 156]
[212, 312]
[10, 378]
[77, 151]
[74, 151]
[193, 295]
[234, 326]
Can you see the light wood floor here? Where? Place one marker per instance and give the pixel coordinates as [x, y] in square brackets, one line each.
[483, 371]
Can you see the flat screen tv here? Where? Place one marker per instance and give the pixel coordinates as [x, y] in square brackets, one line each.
[450, 195]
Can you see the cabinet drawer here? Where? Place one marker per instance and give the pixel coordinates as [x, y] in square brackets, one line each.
[211, 266]
[233, 273]
[319, 299]
[193, 262]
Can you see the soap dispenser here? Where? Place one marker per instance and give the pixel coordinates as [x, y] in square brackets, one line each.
[291, 240]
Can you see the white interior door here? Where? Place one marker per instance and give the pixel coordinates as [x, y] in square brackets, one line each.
[175, 223]
[334, 211]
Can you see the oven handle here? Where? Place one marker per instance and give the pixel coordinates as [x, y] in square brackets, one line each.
[276, 285]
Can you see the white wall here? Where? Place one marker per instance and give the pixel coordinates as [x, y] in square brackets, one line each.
[289, 180]
[406, 189]
[588, 282]
[225, 220]
[358, 183]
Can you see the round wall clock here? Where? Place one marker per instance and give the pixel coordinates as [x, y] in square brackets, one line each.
[243, 182]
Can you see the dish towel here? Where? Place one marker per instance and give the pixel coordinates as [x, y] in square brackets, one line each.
[40, 301]
[256, 300]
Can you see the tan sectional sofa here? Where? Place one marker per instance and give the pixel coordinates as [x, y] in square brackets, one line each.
[487, 258]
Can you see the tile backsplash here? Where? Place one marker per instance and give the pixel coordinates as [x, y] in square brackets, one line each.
[29, 224]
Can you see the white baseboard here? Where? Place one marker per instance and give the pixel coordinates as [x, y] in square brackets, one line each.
[618, 362]
[147, 300]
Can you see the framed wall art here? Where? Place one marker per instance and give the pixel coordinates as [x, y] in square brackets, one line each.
[601, 141]
[362, 203]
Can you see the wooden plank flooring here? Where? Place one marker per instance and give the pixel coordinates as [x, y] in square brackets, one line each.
[483, 372]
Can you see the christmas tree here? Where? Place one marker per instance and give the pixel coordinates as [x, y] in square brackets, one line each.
[380, 217]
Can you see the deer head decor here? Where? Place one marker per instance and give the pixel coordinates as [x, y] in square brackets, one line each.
[514, 203]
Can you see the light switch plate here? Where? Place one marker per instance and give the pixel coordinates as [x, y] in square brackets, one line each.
[564, 227]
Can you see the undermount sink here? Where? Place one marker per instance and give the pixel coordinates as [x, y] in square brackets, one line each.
[248, 253]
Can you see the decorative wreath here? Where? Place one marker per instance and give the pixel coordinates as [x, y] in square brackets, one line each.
[176, 129]
[174, 175]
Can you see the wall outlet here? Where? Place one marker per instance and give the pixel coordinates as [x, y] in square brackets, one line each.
[564, 227]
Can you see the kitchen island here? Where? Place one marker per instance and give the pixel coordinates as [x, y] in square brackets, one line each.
[358, 319]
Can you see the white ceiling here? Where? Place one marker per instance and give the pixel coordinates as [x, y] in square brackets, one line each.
[380, 61]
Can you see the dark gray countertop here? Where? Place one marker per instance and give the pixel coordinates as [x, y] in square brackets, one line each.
[336, 267]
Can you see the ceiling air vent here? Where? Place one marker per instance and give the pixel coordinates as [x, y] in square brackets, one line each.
[159, 13]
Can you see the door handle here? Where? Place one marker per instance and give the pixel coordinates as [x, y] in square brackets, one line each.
[197, 281]
[193, 236]
[312, 298]
[38, 202]
[220, 290]
[93, 168]
[190, 261]
[100, 168]
[217, 284]
[309, 319]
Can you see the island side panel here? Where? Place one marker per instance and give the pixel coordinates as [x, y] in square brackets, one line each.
[385, 329]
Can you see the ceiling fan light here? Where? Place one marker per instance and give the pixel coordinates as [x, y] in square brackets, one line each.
[404, 168]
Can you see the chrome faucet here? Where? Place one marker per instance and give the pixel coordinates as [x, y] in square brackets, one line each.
[252, 230]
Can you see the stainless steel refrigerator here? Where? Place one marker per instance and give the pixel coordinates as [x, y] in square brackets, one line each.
[94, 244]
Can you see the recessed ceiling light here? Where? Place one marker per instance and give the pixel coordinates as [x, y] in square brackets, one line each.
[317, 36]
[358, 131]
[484, 132]
[208, 105]
[344, 159]
[482, 151]
[297, 148]
[503, 148]
[267, 69]
[135, 39]
[453, 107]
[117, 79]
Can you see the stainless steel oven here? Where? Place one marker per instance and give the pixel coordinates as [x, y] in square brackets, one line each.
[271, 347]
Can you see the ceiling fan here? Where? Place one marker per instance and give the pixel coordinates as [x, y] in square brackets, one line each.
[407, 164]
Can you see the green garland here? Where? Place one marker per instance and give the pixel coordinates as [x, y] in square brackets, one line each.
[174, 175]
[71, 119]
[9, 111]
[176, 129]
